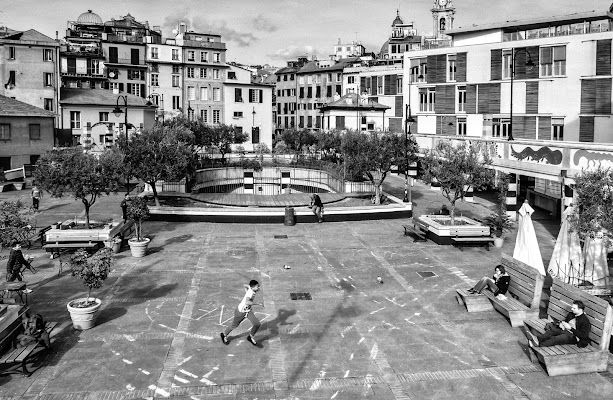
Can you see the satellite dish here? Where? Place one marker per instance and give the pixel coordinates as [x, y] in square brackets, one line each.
[174, 31]
[112, 74]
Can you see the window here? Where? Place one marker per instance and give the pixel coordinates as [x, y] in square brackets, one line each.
[114, 85]
[216, 94]
[216, 58]
[285, 78]
[12, 79]
[255, 95]
[191, 93]
[190, 113]
[399, 85]
[135, 56]
[309, 121]
[136, 74]
[154, 53]
[553, 61]
[204, 93]
[190, 72]
[34, 131]
[175, 54]
[175, 69]
[301, 80]
[113, 54]
[94, 67]
[507, 56]
[461, 98]
[5, 131]
[461, 127]
[451, 67]
[204, 114]
[134, 88]
[215, 74]
[191, 55]
[204, 56]
[255, 135]
[309, 79]
[48, 104]
[339, 76]
[292, 92]
[500, 127]
[291, 77]
[48, 78]
[103, 116]
[216, 116]
[427, 99]
[238, 95]
[238, 114]
[47, 54]
[202, 73]
[75, 120]
[557, 129]
[12, 53]
[155, 80]
[379, 85]
[175, 80]
[176, 102]
[155, 99]
[351, 79]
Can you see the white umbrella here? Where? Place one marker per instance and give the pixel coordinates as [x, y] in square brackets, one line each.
[567, 258]
[526, 246]
[596, 269]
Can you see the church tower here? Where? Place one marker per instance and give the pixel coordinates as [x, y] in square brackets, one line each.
[443, 14]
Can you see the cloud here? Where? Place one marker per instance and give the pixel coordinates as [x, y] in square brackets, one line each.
[261, 23]
[292, 52]
[202, 25]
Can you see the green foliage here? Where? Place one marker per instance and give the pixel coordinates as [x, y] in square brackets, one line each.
[499, 222]
[84, 175]
[280, 147]
[138, 210]
[261, 148]
[329, 145]
[160, 153]
[456, 168]
[92, 270]
[14, 222]
[593, 211]
[297, 139]
[249, 163]
[224, 136]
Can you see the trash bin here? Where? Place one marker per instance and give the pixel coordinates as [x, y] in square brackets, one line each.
[289, 216]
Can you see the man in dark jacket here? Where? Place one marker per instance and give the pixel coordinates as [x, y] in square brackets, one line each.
[317, 207]
[575, 329]
[16, 261]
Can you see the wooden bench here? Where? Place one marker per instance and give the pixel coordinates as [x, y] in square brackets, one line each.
[522, 299]
[415, 231]
[477, 235]
[571, 359]
[21, 356]
[57, 242]
[123, 230]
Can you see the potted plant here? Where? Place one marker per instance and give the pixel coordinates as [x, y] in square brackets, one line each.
[138, 211]
[499, 222]
[93, 270]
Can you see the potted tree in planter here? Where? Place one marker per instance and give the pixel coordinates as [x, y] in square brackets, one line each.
[499, 222]
[93, 270]
[138, 211]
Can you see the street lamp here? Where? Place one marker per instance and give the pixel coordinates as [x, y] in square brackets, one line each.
[407, 132]
[117, 111]
[530, 65]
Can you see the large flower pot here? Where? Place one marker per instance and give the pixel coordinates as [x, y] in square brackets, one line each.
[498, 242]
[84, 318]
[138, 249]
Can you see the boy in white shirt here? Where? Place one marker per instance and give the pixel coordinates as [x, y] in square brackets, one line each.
[244, 311]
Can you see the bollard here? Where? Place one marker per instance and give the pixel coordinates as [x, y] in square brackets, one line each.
[289, 216]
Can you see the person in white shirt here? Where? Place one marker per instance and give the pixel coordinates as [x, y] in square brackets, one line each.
[244, 311]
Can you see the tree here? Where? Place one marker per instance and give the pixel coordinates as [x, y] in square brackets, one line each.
[15, 222]
[593, 211]
[84, 175]
[138, 211]
[371, 157]
[224, 136]
[159, 153]
[296, 139]
[329, 145]
[194, 132]
[93, 270]
[456, 168]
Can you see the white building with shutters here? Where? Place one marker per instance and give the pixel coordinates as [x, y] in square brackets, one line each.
[536, 94]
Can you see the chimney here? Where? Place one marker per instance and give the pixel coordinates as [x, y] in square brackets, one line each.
[182, 27]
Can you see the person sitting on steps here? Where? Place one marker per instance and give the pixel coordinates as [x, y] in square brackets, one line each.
[499, 283]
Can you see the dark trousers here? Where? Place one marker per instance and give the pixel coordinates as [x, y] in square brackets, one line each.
[35, 203]
[11, 276]
[555, 336]
[239, 317]
[485, 281]
[317, 211]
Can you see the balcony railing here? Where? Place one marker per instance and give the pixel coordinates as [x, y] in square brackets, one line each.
[126, 38]
[82, 49]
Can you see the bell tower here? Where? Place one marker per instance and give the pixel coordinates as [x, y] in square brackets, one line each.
[443, 14]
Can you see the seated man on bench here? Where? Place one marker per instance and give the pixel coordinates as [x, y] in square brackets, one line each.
[499, 283]
[575, 329]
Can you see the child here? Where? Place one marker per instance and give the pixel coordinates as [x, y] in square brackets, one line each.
[244, 311]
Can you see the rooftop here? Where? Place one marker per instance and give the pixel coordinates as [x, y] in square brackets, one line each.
[98, 97]
[15, 108]
[349, 102]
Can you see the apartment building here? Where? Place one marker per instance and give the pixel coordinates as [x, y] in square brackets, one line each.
[165, 78]
[286, 99]
[536, 94]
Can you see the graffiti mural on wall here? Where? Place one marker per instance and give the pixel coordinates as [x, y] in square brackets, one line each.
[585, 159]
[549, 156]
[489, 148]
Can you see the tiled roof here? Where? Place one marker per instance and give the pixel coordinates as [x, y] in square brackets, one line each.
[98, 97]
[12, 107]
[348, 101]
[31, 35]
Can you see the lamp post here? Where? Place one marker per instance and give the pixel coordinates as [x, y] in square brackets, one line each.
[530, 65]
[407, 131]
[117, 111]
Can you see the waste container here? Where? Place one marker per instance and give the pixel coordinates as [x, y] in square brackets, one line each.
[289, 216]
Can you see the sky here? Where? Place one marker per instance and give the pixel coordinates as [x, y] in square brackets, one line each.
[274, 31]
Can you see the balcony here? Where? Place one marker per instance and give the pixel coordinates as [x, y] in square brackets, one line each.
[82, 49]
[126, 38]
[204, 44]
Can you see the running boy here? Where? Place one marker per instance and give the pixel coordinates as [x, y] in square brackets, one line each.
[244, 311]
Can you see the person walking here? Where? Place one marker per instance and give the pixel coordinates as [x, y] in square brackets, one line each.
[15, 262]
[37, 194]
[317, 207]
[124, 207]
[244, 311]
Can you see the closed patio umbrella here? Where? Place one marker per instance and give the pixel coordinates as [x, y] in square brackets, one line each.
[526, 245]
[567, 258]
[595, 269]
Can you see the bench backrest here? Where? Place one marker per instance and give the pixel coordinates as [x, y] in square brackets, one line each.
[526, 282]
[121, 228]
[598, 310]
[469, 231]
[66, 236]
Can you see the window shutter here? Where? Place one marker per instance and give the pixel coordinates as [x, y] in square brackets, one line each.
[121, 87]
[395, 125]
[129, 88]
[603, 96]
[496, 64]
[529, 127]
[398, 106]
[373, 85]
[546, 55]
[471, 99]
[441, 68]
[134, 55]
[586, 129]
[534, 55]
[113, 54]
[142, 90]
[518, 127]
[494, 98]
[460, 75]
[559, 53]
[445, 97]
[484, 98]
[340, 122]
[532, 97]
[261, 96]
[431, 63]
[544, 128]
[363, 84]
[520, 64]
[105, 85]
[603, 57]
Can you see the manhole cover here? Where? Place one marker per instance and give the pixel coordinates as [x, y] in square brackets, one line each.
[300, 296]
[280, 236]
[426, 274]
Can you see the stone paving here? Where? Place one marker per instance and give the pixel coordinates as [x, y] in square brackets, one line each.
[406, 338]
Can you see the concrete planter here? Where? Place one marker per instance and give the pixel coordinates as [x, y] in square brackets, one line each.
[438, 230]
[138, 249]
[498, 242]
[84, 318]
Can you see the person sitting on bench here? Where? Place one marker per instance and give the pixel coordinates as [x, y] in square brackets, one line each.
[499, 283]
[444, 210]
[575, 329]
[33, 331]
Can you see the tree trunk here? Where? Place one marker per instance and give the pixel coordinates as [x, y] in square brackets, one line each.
[155, 193]
[139, 228]
[452, 213]
[86, 203]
